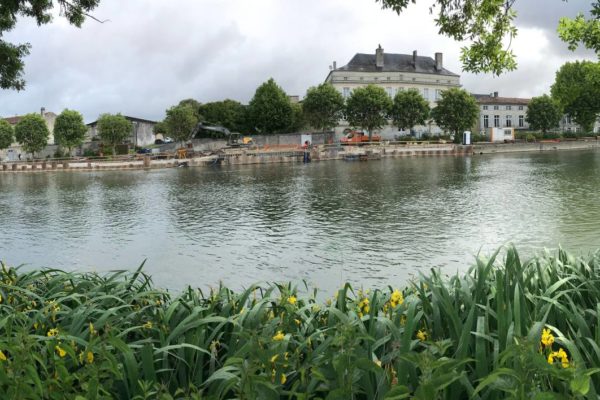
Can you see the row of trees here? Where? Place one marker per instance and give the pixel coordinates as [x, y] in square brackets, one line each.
[32, 133]
[574, 93]
[369, 107]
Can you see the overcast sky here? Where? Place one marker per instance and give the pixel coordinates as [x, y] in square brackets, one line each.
[153, 53]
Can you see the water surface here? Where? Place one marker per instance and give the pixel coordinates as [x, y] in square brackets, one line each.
[373, 223]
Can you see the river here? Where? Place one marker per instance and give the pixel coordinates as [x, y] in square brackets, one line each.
[373, 223]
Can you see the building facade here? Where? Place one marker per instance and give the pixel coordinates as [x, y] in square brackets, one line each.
[142, 131]
[501, 112]
[394, 73]
[14, 150]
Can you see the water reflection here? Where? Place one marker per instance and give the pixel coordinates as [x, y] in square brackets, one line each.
[374, 223]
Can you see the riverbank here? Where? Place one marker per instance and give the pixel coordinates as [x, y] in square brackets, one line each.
[503, 327]
[293, 154]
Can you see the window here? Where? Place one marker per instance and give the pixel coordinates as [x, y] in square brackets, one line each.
[438, 94]
[496, 107]
[496, 121]
[389, 78]
[375, 78]
[508, 121]
[508, 108]
[346, 92]
[345, 78]
[362, 78]
[486, 121]
[521, 121]
[520, 108]
[426, 94]
[484, 107]
[389, 91]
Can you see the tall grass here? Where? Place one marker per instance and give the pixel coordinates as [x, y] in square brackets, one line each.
[474, 335]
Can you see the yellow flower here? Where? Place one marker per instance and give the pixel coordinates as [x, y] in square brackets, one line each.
[547, 338]
[92, 330]
[35, 325]
[283, 379]
[0, 298]
[363, 306]
[279, 336]
[292, 300]
[422, 335]
[60, 351]
[53, 332]
[396, 298]
[562, 355]
[90, 357]
[297, 321]
[148, 325]
[2, 356]
[274, 358]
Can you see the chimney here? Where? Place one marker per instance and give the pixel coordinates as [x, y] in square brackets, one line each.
[414, 62]
[334, 65]
[43, 111]
[439, 61]
[379, 57]
[495, 94]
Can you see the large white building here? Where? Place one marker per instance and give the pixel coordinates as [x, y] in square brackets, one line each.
[501, 112]
[394, 72]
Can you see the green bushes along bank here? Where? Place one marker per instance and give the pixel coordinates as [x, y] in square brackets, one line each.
[507, 329]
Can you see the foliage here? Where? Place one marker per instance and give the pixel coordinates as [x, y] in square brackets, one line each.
[159, 128]
[508, 329]
[323, 106]
[227, 113]
[69, 129]
[114, 129]
[32, 133]
[270, 109]
[543, 113]
[7, 134]
[180, 122]
[409, 109]
[489, 27]
[298, 118]
[576, 89]
[12, 65]
[367, 107]
[194, 104]
[456, 112]
[579, 30]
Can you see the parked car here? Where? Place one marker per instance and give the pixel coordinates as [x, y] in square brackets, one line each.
[168, 140]
[144, 151]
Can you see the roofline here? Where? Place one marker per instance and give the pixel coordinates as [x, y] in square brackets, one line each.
[135, 119]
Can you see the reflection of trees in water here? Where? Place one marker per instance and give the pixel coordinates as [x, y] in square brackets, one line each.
[202, 198]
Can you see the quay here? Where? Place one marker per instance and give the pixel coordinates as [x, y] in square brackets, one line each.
[290, 154]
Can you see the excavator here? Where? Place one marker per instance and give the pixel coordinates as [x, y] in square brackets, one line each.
[234, 139]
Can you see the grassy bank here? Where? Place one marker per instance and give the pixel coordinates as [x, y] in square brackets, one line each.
[507, 329]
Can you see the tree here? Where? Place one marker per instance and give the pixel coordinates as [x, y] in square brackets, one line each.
[367, 108]
[114, 129]
[456, 112]
[323, 106]
[11, 64]
[270, 108]
[69, 129]
[409, 109]
[298, 120]
[32, 133]
[489, 24]
[227, 113]
[195, 104]
[159, 128]
[543, 113]
[180, 122]
[576, 89]
[6, 134]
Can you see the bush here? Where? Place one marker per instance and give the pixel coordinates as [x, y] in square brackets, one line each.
[520, 329]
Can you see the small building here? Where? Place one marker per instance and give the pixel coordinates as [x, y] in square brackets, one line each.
[142, 132]
[394, 73]
[12, 153]
[501, 112]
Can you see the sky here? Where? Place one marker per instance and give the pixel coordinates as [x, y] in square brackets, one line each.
[153, 53]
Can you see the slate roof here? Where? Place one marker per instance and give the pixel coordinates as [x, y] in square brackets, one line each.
[490, 99]
[362, 62]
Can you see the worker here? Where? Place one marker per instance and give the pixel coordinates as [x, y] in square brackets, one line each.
[306, 147]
